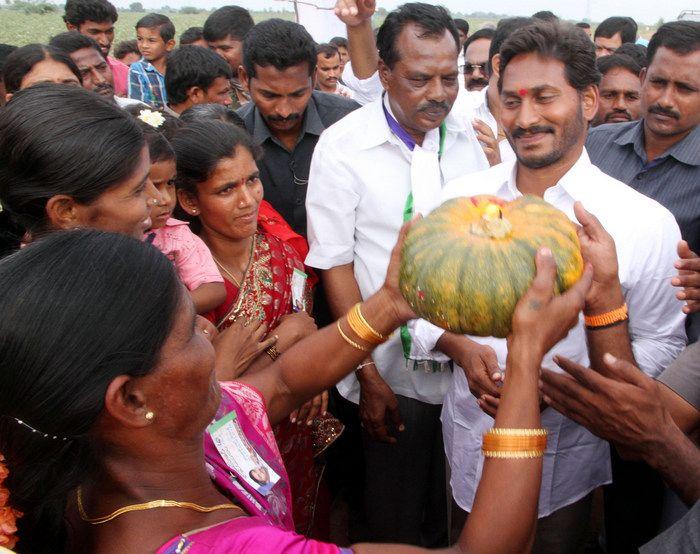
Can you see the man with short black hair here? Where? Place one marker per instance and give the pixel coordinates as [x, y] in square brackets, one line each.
[476, 59]
[328, 71]
[196, 76]
[612, 33]
[620, 90]
[548, 85]
[285, 115]
[88, 57]
[224, 30]
[658, 156]
[96, 19]
[370, 172]
[194, 35]
[486, 103]
[341, 43]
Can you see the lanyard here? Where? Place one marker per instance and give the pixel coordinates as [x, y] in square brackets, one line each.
[408, 141]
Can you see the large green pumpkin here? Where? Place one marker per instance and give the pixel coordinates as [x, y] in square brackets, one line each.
[465, 266]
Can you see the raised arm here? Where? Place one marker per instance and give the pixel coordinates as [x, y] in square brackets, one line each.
[357, 16]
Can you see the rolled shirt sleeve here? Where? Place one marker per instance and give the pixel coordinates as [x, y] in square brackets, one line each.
[331, 202]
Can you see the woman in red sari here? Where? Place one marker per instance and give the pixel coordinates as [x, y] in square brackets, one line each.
[218, 183]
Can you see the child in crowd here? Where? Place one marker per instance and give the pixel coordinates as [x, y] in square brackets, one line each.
[155, 37]
[127, 52]
[193, 260]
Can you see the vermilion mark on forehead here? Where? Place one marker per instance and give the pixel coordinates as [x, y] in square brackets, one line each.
[522, 92]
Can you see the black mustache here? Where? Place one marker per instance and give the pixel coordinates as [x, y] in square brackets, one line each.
[664, 111]
[478, 81]
[431, 105]
[103, 86]
[619, 112]
[280, 119]
[520, 132]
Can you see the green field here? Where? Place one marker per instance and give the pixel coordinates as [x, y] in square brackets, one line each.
[19, 28]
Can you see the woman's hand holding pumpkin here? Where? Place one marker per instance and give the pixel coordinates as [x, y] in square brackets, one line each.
[541, 318]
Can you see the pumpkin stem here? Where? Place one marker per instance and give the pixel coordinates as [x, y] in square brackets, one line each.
[492, 224]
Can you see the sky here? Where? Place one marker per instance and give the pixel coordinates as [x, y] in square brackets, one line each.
[644, 11]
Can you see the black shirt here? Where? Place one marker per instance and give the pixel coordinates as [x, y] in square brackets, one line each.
[285, 174]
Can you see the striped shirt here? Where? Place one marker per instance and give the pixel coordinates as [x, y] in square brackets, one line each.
[673, 179]
[147, 84]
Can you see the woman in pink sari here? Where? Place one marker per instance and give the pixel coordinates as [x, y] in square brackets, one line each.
[266, 284]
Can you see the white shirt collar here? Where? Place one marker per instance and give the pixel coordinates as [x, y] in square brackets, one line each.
[574, 182]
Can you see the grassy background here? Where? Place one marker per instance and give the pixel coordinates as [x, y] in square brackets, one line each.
[19, 28]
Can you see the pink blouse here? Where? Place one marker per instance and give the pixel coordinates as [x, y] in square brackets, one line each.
[193, 260]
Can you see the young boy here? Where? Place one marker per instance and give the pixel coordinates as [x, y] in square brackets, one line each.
[155, 37]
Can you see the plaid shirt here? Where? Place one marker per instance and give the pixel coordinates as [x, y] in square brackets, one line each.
[147, 84]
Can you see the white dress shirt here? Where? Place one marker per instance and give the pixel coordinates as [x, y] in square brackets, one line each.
[475, 102]
[359, 181]
[646, 235]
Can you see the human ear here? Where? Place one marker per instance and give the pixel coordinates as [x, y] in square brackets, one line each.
[643, 75]
[188, 202]
[126, 402]
[197, 95]
[170, 45]
[589, 98]
[243, 76]
[495, 65]
[63, 212]
[384, 73]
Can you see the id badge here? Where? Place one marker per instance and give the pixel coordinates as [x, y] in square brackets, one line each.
[240, 455]
[298, 290]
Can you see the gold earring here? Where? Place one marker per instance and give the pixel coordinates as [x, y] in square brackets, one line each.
[150, 416]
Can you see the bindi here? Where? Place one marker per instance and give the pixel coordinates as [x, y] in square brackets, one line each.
[522, 92]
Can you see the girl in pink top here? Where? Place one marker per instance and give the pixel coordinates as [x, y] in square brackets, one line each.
[192, 258]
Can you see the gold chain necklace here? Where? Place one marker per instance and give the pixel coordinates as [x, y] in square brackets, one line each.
[148, 506]
[227, 272]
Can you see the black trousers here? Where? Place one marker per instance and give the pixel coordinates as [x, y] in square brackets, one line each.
[396, 491]
[633, 504]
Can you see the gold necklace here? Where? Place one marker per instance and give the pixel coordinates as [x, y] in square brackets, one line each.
[227, 272]
[148, 506]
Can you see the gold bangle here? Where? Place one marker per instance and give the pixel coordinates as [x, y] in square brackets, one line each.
[513, 442]
[518, 432]
[349, 340]
[513, 455]
[608, 318]
[362, 329]
[272, 352]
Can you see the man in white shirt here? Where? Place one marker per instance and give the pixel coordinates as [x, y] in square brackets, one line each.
[369, 173]
[328, 70]
[548, 97]
[486, 103]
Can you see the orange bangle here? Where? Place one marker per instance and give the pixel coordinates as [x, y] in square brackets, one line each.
[514, 443]
[607, 319]
[362, 329]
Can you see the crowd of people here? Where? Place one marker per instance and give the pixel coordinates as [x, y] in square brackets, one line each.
[204, 345]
